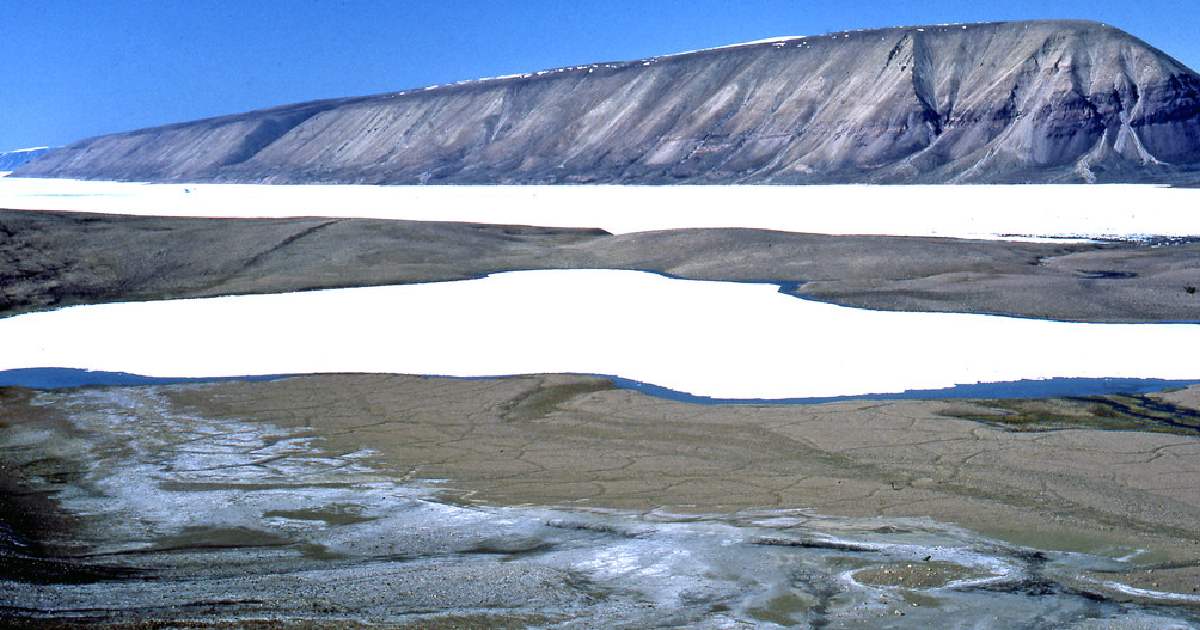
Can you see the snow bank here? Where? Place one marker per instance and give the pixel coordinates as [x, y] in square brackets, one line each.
[719, 339]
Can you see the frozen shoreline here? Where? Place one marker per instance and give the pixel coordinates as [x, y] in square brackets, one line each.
[716, 339]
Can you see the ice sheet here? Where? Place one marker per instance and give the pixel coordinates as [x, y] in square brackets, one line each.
[718, 339]
[989, 212]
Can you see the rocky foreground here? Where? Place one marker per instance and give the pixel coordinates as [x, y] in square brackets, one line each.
[561, 501]
[1048, 101]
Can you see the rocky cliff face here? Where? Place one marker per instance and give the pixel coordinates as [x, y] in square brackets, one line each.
[1005, 102]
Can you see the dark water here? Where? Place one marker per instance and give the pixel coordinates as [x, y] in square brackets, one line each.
[1048, 388]
[60, 378]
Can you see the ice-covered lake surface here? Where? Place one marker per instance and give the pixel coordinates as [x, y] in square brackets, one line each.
[1070, 211]
[716, 339]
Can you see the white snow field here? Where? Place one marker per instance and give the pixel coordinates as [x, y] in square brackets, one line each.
[990, 212]
[719, 339]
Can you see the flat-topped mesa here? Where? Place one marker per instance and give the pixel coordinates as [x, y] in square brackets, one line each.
[1002, 102]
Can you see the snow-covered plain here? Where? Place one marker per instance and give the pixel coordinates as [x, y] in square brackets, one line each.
[988, 212]
[719, 339]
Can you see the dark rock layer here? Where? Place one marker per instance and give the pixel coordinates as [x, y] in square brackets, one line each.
[1002, 102]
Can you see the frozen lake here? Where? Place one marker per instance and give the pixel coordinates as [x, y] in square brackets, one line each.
[1117, 210]
[718, 339]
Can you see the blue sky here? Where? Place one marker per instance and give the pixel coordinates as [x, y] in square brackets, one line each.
[74, 69]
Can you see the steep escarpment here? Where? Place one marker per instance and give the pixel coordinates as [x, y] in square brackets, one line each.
[1003, 102]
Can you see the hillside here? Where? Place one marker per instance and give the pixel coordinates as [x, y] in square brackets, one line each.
[1002, 102]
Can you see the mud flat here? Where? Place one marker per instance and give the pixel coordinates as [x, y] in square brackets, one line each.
[557, 500]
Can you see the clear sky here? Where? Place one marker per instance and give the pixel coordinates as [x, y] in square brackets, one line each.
[73, 69]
